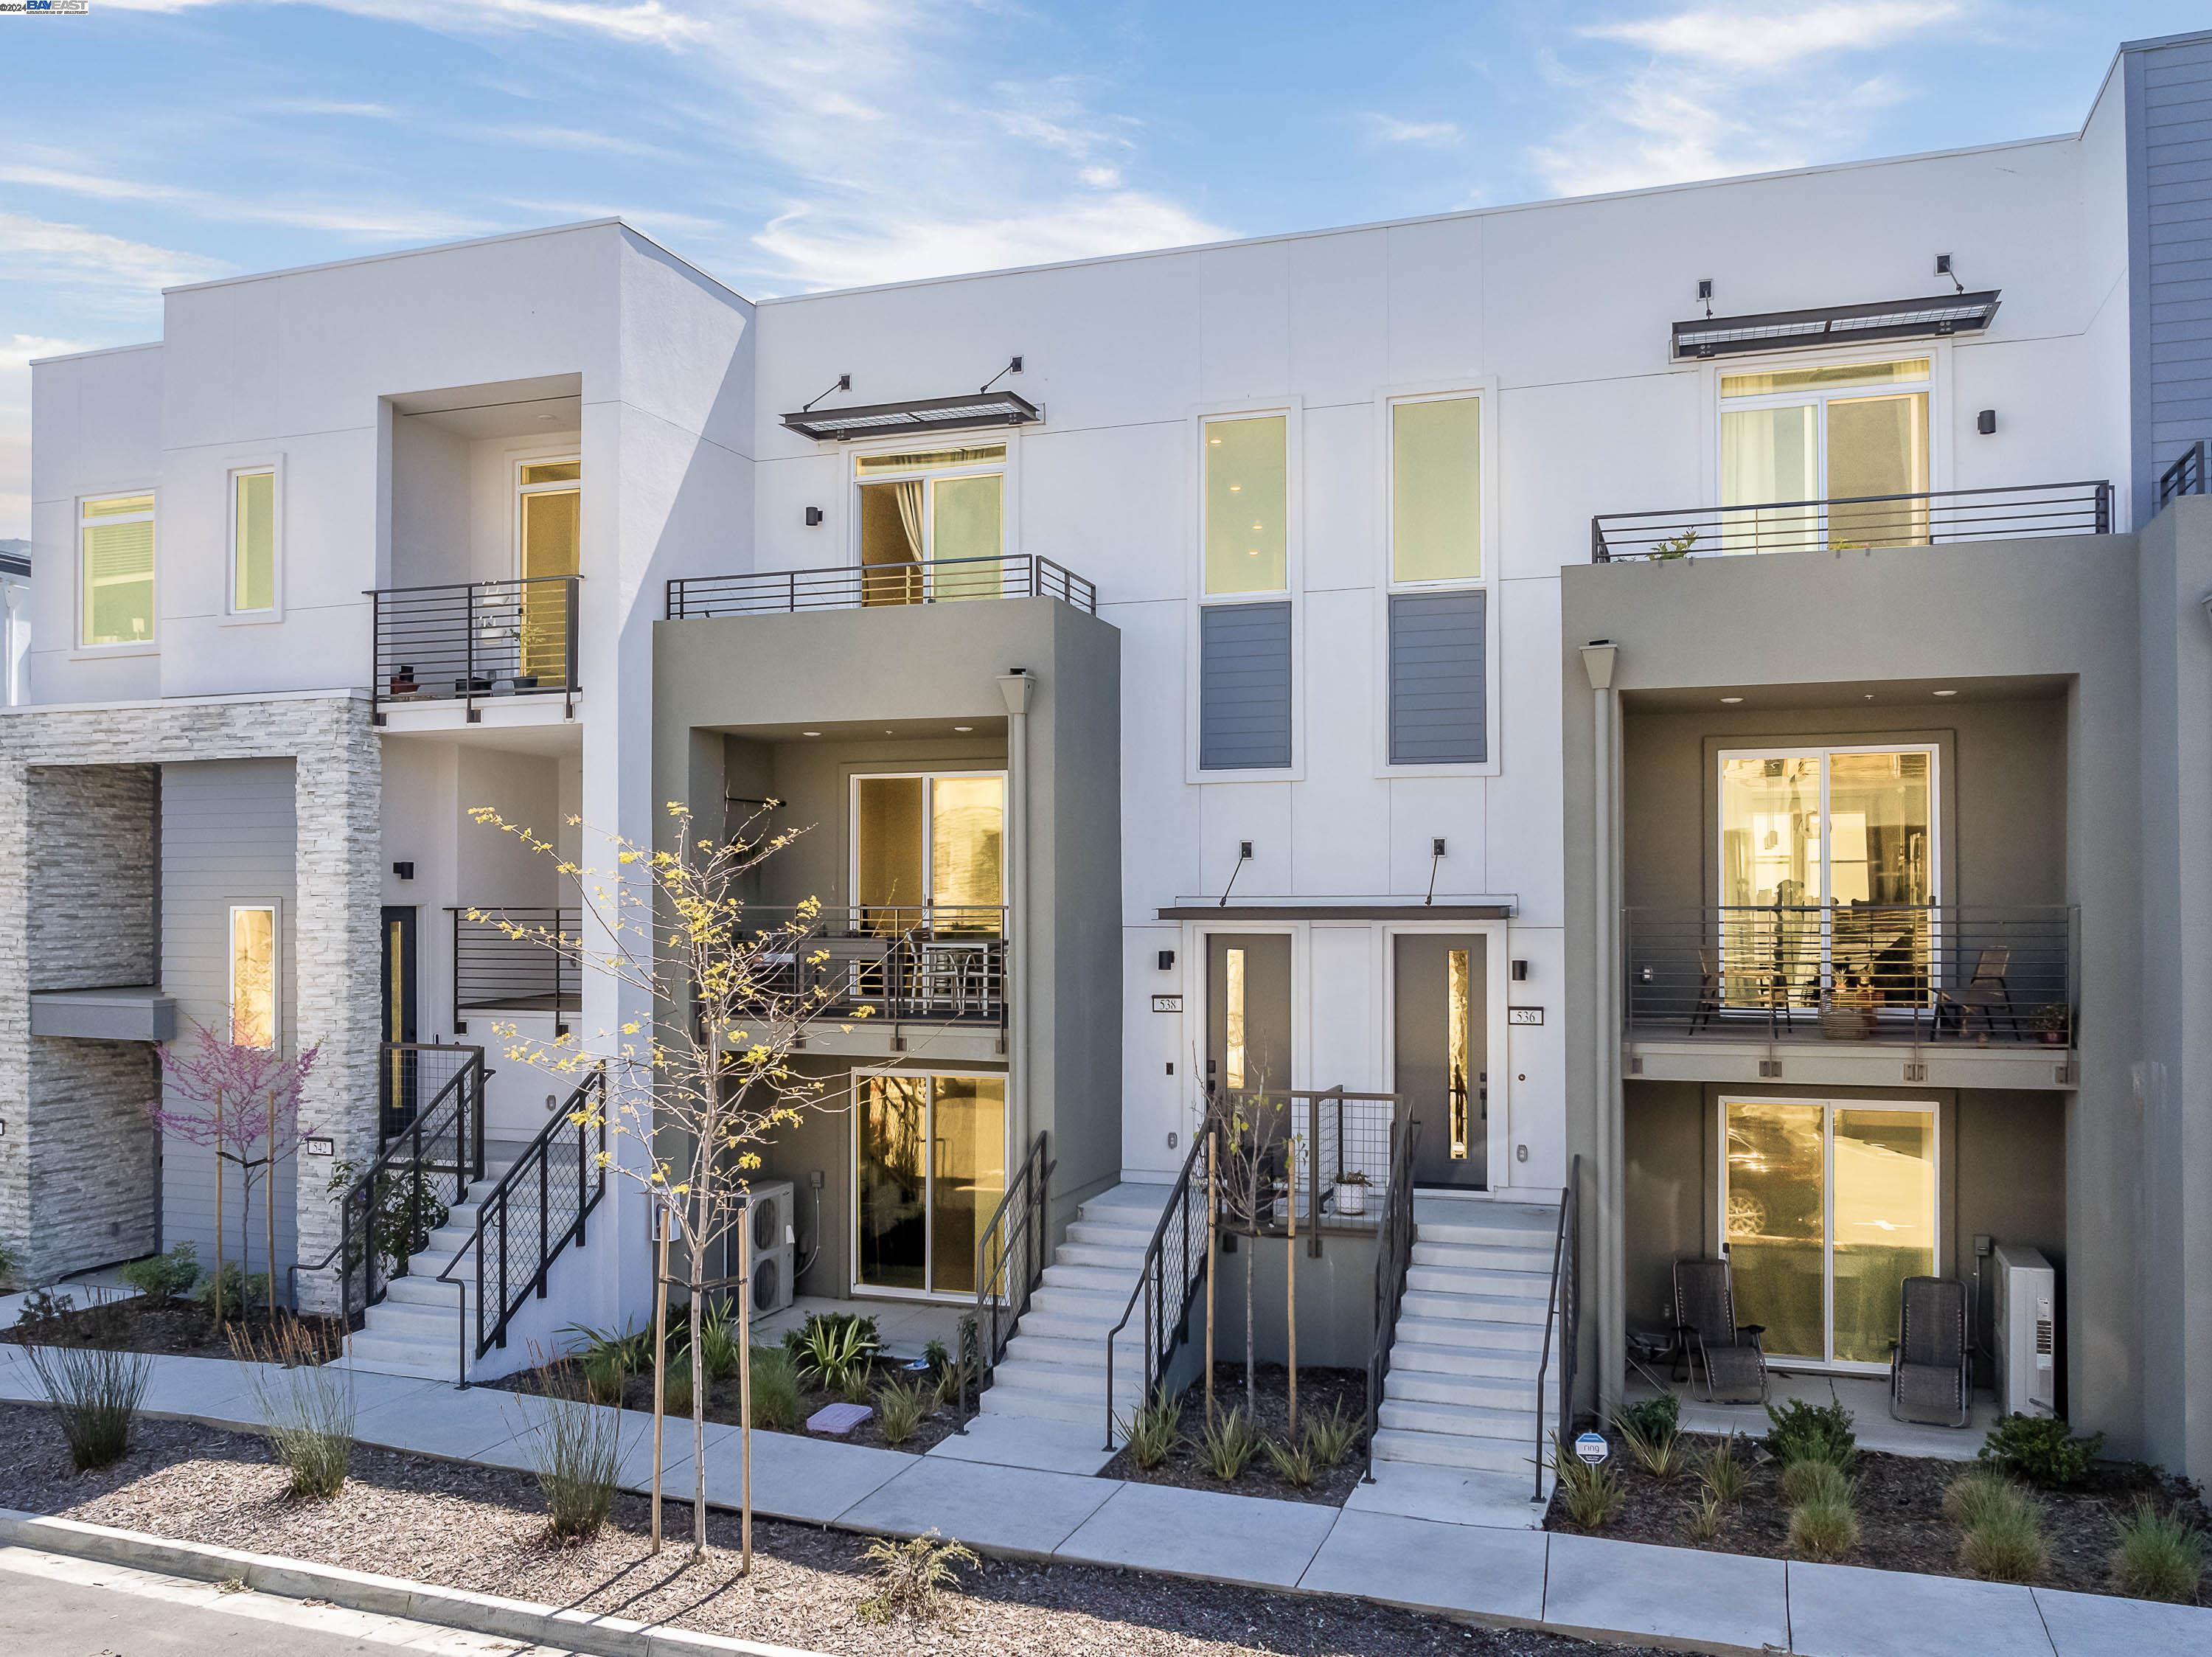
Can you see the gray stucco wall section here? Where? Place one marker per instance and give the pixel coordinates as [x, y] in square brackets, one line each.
[2065, 607]
[2169, 182]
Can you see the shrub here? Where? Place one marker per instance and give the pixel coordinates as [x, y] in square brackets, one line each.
[911, 1577]
[2039, 1449]
[1330, 1437]
[1825, 1529]
[1656, 1418]
[948, 1384]
[1799, 1431]
[2005, 1544]
[1594, 1494]
[608, 1359]
[937, 1356]
[97, 1393]
[717, 1344]
[1974, 1495]
[1228, 1444]
[776, 1400]
[675, 1390]
[1664, 1457]
[1706, 1519]
[305, 1405]
[164, 1276]
[42, 1313]
[857, 1387]
[1722, 1476]
[1155, 1430]
[1293, 1463]
[834, 1352]
[1813, 1481]
[2158, 1557]
[899, 1410]
[241, 1293]
[575, 1450]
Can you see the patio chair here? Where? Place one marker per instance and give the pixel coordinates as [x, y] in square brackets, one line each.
[1709, 992]
[1930, 1372]
[1986, 992]
[1705, 1316]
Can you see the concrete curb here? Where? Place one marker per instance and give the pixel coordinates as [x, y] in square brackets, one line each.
[386, 1596]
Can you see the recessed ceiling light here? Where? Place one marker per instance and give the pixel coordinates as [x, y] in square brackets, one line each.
[1257, 528]
[1215, 442]
[1870, 696]
[1235, 489]
[810, 733]
[1947, 693]
[963, 727]
[1731, 700]
[888, 731]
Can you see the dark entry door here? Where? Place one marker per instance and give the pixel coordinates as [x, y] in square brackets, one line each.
[397, 1090]
[1443, 1057]
[1248, 1013]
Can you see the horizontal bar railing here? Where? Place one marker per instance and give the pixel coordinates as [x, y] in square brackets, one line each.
[472, 641]
[1861, 972]
[850, 586]
[1928, 518]
[938, 962]
[2185, 475]
[494, 969]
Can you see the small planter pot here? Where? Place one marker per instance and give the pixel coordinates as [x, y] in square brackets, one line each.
[1352, 1199]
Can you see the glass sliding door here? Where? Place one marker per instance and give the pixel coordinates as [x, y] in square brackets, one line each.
[550, 516]
[1825, 438]
[930, 1167]
[1827, 1206]
[929, 852]
[933, 524]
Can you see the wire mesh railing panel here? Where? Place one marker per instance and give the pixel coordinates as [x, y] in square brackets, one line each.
[541, 1204]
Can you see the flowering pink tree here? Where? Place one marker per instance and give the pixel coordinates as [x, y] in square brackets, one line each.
[242, 1103]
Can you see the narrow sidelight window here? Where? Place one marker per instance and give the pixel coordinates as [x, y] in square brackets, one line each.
[549, 512]
[1233, 1056]
[115, 541]
[1247, 501]
[253, 541]
[1435, 490]
[253, 975]
[1459, 1013]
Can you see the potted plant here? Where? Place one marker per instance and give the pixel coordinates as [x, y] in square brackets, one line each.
[2054, 1023]
[1351, 1191]
[404, 682]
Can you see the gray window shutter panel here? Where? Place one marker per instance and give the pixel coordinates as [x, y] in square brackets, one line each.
[1437, 680]
[1244, 687]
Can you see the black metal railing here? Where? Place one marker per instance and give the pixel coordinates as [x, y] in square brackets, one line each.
[1010, 1260]
[474, 641]
[939, 963]
[494, 969]
[1903, 973]
[540, 1206]
[1930, 518]
[426, 1167]
[2185, 475]
[858, 587]
[1394, 1255]
[1564, 1312]
[1174, 1262]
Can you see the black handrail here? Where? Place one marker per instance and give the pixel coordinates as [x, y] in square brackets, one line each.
[1923, 518]
[1009, 1259]
[1167, 1300]
[1566, 1304]
[1394, 1253]
[444, 1139]
[469, 641]
[2185, 475]
[856, 587]
[532, 1182]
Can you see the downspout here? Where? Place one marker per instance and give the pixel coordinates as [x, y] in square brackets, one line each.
[1017, 685]
[1598, 662]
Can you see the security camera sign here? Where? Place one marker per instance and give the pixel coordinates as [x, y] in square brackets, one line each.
[1590, 1448]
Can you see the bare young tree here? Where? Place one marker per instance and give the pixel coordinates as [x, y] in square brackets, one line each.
[1249, 1128]
[711, 1081]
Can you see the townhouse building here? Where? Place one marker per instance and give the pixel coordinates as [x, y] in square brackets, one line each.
[1282, 667]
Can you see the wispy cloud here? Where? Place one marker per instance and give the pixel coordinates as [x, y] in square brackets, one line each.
[338, 107]
[33, 250]
[1390, 129]
[644, 21]
[1768, 38]
[360, 219]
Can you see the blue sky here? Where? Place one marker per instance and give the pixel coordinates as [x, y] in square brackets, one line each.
[788, 145]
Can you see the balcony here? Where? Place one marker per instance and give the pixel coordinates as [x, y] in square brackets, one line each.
[941, 965]
[495, 972]
[1951, 982]
[475, 642]
[941, 581]
[1846, 523]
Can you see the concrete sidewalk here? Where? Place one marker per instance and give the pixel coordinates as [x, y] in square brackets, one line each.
[1577, 1585]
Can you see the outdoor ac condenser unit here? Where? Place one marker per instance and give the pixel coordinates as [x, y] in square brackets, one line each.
[2025, 1332]
[773, 1224]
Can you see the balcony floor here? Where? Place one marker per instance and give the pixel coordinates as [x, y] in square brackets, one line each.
[1866, 1396]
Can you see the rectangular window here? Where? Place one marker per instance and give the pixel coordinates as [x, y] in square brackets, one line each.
[929, 853]
[550, 519]
[933, 524]
[1458, 1019]
[116, 568]
[1435, 490]
[1247, 491]
[1824, 449]
[253, 541]
[253, 975]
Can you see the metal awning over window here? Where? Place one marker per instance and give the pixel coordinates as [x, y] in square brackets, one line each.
[1936, 317]
[922, 414]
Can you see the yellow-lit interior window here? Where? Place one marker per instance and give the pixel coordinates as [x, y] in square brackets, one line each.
[551, 471]
[116, 566]
[1233, 1018]
[253, 541]
[1436, 489]
[934, 459]
[252, 975]
[1246, 499]
[1827, 376]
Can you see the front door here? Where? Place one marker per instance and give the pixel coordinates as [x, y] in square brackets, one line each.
[397, 1088]
[1248, 1013]
[1442, 1050]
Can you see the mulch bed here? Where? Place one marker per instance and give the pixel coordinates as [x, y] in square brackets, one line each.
[1319, 1390]
[722, 1406]
[1901, 1507]
[173, 1328]
[482, 1529]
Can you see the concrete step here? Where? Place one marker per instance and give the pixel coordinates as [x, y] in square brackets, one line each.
[1082, 1304]
[1039, 1346]
[1484, 1256]
[1461, 1421]
[1003, 1400]
[1496, 1225]
[1459, 1392]
[1449, 1450]
[1063, 1380]
[1102, 1280]
[423, 1359]
[1088, 1332]
[1113, 1233]
[1482, 1333]
[1531, 1285]
[423, 1289]
[1123, 1262]
[1474, 1361]
[1447, 1306]
[1126, 1205]
[402, 1320]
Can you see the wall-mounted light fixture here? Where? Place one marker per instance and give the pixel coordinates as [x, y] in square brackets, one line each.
[1987, 422]
[814, 517]
[1167, 960]
[1520, 972]
[404, 870]
[1243, 856]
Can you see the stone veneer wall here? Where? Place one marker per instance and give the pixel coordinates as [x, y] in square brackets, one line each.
[338, 770]
[95, 1170]
[93, 873]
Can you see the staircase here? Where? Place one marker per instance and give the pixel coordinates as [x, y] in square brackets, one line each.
[1461, 1387]
[1055, 1367]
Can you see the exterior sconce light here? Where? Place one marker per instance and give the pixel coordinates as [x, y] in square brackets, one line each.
[1167, 960]
[1520, 972]
[1987, 422]
[405, 871]
[814, 517]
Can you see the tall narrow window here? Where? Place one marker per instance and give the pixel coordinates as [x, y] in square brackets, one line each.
[1247, 502]
[1435, 490]
[1459, 1013]
[115, 538]
[550, 516]
[253, 541]
[253, 975]
[1826, 451]
[1233, 1057]
[933, 524]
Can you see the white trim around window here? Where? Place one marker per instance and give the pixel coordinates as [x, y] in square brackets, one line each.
[1292, 409]
[79, 650]
[252, 913]
[233, 614]
[1488, 581]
